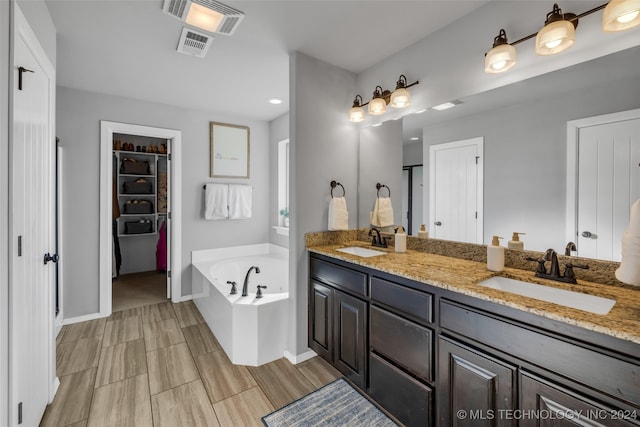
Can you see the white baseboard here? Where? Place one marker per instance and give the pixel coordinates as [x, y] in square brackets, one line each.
[182, 298]
[54, 389]
[84, 318]
[299, 358]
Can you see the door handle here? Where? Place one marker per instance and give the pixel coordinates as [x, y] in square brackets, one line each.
[587, 234]
[438, 223]
[48, 257]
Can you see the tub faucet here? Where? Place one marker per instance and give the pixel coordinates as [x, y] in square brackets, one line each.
[245, 286]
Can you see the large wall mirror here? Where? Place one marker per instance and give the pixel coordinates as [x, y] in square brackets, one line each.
[524, 126]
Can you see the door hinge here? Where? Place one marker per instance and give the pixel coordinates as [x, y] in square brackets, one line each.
[476, 214]
[20, 413]
[168, 215]
[477, 157]
[19, 245]
[20, 71]
[169, 273]
[169, 156]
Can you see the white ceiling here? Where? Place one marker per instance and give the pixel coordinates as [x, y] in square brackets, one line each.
[128, 47]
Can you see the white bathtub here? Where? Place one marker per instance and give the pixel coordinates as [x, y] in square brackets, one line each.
[252, 331]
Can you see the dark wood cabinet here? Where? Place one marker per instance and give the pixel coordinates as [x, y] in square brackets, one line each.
[425, 353]
[338, 321]
[473, 388]
[549, 404]
[350, 337]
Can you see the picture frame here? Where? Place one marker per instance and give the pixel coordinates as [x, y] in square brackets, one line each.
[230, 149]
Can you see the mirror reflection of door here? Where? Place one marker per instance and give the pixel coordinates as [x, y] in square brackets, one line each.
[609, 183]
[456, 190]
[412, 198]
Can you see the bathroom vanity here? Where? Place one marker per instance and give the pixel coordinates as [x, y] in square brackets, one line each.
[418, 334]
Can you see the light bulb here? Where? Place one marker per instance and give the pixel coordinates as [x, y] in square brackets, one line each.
[498, 65]
[552, 44]
[628, 17]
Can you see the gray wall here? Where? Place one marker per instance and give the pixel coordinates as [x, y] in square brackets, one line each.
[412, 154]
[37, 13]
[278, 131]
[325, 147]
[79, 115]
[525, 158]
[380, 161]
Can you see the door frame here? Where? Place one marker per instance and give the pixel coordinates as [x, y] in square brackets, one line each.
[573, 142]
[479, 143]
[20, 25]
[107, 129]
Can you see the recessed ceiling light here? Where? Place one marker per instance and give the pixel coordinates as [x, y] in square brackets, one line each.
[415, 138]
[447, 105]
[275, 101]
[421, 111]
[376, 125]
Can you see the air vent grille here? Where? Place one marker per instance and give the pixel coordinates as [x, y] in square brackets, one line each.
[194, 43]
[229, 25]
[218, 7]
[176, 7]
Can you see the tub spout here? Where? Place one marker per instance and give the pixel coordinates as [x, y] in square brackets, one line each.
[245, 286]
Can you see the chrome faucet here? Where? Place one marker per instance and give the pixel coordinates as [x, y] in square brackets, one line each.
[377, 240]
[245, 286]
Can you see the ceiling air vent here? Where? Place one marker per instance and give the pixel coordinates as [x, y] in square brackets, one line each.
[208, 15]
[194, 43]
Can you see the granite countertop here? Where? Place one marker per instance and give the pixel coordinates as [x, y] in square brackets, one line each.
[462, 276]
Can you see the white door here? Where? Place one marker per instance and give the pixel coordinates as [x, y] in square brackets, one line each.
[455, 190]
[416, 199]
[608, 184]
[31, 356]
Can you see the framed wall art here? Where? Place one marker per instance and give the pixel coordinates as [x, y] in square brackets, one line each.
[230, 150]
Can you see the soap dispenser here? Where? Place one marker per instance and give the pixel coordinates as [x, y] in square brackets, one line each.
[423, 233]
[515, 242]
[495, 255]
[401, 240]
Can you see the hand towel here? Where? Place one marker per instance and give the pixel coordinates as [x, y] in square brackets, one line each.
[240, 201]
[216, 201]
[338, 214]
[385, 211]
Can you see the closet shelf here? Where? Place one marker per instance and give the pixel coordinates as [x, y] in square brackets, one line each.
[137, 175]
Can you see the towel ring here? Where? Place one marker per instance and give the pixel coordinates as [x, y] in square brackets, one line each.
[334, 184]
[379, 186]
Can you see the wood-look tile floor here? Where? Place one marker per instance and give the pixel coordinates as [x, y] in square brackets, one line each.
[160, 365]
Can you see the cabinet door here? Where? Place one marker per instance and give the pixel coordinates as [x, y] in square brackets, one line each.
[552, 405]
[350, 340]
[321, 320]
[473, 388]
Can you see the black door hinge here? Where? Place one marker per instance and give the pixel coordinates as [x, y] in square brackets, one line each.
[477, 157]
[20, 413]
[20, 71]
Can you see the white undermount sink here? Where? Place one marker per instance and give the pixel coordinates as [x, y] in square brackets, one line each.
[580, 301]
[359, 251]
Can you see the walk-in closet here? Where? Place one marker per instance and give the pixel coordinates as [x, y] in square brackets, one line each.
[140, 229]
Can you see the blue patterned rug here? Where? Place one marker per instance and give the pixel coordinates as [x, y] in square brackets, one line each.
[336, 404]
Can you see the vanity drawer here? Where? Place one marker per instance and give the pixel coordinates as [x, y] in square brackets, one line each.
[406, 343]
[403, 396]
[409, 302]
[573, 360]
[338, 276]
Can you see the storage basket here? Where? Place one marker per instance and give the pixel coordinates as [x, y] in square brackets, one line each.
[141, 186]
[137, 227]
[138, 207]
[135, 167]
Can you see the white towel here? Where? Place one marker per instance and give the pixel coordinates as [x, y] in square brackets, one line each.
[629, 270]
[382, 215]
[240, 201]
[216, 201]
[338, 214]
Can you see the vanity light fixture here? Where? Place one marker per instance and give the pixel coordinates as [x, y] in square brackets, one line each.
[558, 33]
[378, 104]
[400, 98]
[620, 15]
[502, 57]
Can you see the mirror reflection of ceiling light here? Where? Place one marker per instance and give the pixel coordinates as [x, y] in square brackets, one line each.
[376, 125]
[275, 101]
[558, 33]
[420, 111]
[415, 138]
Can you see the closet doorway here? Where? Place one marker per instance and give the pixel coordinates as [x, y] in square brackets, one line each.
[140, 237]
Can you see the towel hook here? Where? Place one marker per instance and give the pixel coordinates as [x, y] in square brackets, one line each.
[334, 184]
[379, 186]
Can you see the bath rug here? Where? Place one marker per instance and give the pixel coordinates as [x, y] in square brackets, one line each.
[336, 404]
